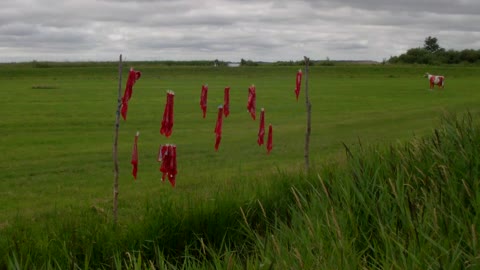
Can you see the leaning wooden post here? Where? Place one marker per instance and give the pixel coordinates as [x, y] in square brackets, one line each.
[115, 143]
[309, 119]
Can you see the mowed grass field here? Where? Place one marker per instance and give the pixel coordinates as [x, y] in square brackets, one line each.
[57, 127]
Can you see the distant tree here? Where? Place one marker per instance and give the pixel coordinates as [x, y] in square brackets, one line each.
[469, 55]
[325, 62]
[416, 55]
[302, 63]
[451, 57]
[393, 60]
[431, 44]
[432, 53]
[244, 62]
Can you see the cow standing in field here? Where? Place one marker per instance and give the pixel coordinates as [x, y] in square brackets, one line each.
[435, 80]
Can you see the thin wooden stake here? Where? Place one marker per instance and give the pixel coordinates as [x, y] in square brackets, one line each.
[309, 119]
[115, 143]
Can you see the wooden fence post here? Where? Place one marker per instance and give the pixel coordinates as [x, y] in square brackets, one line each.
[115, 143]
[309, 119]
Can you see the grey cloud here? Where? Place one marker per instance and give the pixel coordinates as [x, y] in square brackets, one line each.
[414, 6]
[274, 30]
[17, 29]
[40, 39]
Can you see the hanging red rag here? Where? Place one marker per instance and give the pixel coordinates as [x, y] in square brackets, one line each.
[134, 161]
[226, 102]
[261, 130]
[173, 165]
[168, 156]
[270, 139]
[133, 76]
[298, 83]
[167, 121]
[203, 99]
[251, 103]
[218, 127]
[164, 158]
[161, 152]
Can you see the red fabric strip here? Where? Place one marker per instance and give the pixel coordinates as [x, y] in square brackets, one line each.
[203, 100]
[172, 172]
[218, 128]
[251, 103]
[226, 101]
[261, 129]
[270, 139]
[168, 157]
[134, 161]
[167, 121]
[133, 76]
[298, 83]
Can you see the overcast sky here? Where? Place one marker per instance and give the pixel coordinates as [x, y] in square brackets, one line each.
[99, 30]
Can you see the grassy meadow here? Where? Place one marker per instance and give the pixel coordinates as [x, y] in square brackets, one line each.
[57, 132]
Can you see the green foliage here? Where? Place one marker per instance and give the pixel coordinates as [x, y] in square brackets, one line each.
[432, 53]
[326, 62]
[300, 63]
[431, 44]
[417, 55]
[403, 206]
[244, 63]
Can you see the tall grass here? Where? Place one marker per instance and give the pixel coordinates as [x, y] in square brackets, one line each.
[165, 229]
[406, 206]
[409, 205]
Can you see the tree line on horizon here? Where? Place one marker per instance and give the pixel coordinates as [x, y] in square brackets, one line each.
[217, 63]
[431, 53]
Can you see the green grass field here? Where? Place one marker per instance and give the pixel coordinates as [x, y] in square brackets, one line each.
[58, 123]
[407, 205]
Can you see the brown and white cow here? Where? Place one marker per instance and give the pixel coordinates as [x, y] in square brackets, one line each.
[435, 80]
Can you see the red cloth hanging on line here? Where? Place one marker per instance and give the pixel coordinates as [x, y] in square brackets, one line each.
[161, 152]
[173, 165]
[218, 127]
[167, 155]
[163, 157]
[251, 103]
[226, 102]
[133, 76]
[298, 83]
[167, 121]
[203, 99]
[270, 139]
[261, 129]
[134, 161]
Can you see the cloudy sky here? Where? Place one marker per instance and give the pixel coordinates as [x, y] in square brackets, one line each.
[99, 30]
